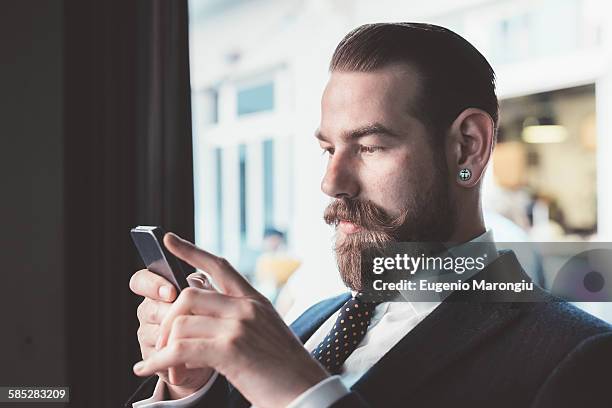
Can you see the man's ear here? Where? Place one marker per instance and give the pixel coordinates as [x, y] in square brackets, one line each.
[470, 142]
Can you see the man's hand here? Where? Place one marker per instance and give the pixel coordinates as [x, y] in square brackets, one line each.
[237, 332]
[159, 295]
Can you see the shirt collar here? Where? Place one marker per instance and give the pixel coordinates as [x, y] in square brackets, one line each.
[484, 244]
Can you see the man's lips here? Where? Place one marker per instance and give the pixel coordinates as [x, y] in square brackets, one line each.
[348, 227]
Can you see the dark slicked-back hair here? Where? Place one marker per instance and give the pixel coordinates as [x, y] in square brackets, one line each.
[452, 74]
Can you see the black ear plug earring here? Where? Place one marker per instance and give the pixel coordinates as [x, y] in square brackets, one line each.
[465, 174]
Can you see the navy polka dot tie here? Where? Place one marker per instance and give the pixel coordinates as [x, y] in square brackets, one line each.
[346, 334]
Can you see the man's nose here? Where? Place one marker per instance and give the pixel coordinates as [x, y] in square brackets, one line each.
[340, 180]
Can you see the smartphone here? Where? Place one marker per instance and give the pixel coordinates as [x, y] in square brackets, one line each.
[150, 244]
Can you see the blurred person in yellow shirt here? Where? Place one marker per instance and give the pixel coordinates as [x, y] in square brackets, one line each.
[275, 265]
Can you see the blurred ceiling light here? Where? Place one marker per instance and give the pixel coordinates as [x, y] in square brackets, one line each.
[543, 130]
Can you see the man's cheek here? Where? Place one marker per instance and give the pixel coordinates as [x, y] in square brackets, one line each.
[393, 199]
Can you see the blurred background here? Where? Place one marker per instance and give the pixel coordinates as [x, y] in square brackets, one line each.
[258, 69]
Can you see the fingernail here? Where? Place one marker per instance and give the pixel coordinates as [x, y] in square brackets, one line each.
[196, 282]
[139, 366]
[164, 292]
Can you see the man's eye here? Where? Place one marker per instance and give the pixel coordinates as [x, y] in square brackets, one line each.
[328, 150]
[370, 149]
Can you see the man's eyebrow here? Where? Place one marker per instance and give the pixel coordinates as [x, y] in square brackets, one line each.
[373, 129]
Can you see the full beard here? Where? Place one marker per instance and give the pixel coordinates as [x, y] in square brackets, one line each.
[428, 218]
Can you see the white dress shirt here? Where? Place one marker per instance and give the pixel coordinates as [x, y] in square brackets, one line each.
[390, 322]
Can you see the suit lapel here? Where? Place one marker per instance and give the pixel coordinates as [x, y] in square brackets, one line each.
[454, 328]
[450, 331]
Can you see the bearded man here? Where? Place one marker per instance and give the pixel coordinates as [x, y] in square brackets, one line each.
[409, 118]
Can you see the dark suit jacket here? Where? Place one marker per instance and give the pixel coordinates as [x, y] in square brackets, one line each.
[542, 353]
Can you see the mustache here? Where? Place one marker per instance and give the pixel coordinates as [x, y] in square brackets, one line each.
[363, 213]
[377, 229]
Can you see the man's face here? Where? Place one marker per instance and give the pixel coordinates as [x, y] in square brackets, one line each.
[388, 180]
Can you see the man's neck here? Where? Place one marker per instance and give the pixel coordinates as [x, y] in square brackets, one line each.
[467, 229]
